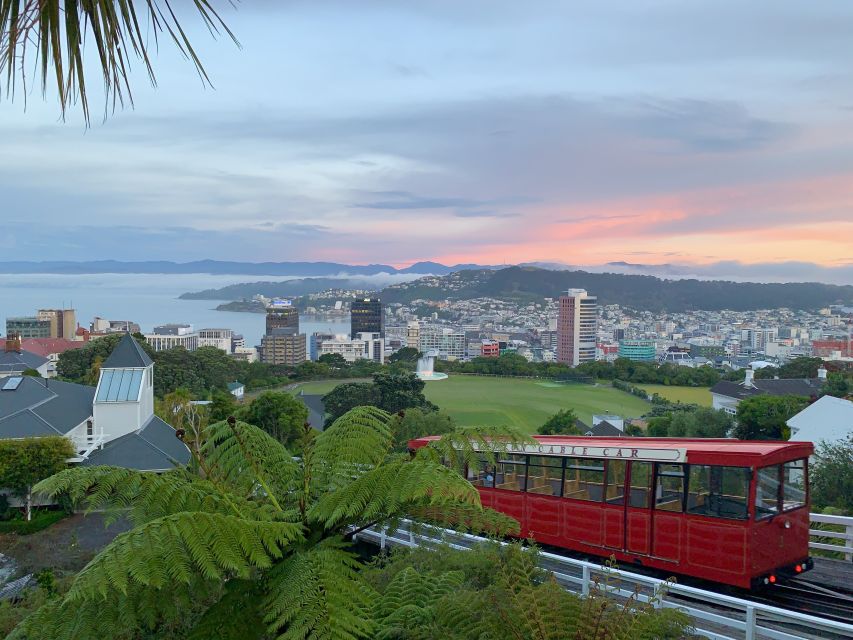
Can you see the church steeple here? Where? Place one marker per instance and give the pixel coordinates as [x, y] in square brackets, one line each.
[124, 398]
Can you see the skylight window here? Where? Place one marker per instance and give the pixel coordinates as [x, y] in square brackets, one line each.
[12, 383]
[119, 385]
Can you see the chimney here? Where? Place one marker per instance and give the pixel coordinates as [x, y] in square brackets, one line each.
[13, 342]
[747, 381]
[821, 373]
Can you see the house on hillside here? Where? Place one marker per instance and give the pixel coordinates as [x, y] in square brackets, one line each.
[110, 424]
[14, 360]
[826, 420]
[726, 395]
[51, 348]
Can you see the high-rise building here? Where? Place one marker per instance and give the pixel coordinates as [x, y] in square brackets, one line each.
[284, 348]
[282, 317]
[577, 325]
[366, 316]
[63, 322]
[640, 350]
[413, 334]
[28, 327]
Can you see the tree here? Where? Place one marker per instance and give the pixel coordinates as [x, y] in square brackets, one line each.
[416, 423]
[333, 360]
[348, 396]
[31, 372]
[116, 29]
[398, 391]
[763, 417]
[258, 540]
[25, 462]
[564, 422]
[701, 422]
[831, 475]
[279, 414]
[836, 385]
[222, 404]
[187, 418]
[408, 355]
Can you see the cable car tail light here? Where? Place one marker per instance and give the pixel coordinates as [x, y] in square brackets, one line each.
[772, 579]
[798, 568]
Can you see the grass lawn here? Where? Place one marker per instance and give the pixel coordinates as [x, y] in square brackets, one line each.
[322, 387]
[526, 403]
[695, 395]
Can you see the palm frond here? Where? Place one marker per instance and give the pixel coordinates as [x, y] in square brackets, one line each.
[56, 33]
[180, 548]
[244, 457]
[319, 595]
[390, 490]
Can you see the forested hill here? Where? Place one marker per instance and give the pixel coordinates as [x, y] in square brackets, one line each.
[639, 292]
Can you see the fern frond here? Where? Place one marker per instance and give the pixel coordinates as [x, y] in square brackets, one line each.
[466, 446]
[389, 490]
[247, 458]
[144, 496]
[237, 614]
[179, 548]
[408, 603]
[357, 441]
[318, 595]
[467, 517]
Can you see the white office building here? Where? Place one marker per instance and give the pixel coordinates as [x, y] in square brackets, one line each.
[219, 338]
[449, 343]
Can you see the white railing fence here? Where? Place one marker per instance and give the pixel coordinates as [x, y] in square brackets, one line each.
[714, 615]
[840, 539]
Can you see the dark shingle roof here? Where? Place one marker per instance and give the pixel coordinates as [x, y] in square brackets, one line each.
[316, 410]
[127, 354]
[19, 361]
[605, 429]
[782, 387]
[40, 407]
[154, 447]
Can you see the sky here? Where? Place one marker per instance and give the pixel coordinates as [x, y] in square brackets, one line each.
[362, 131]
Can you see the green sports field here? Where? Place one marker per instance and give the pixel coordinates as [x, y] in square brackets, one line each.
[526, 403]
[694, 395]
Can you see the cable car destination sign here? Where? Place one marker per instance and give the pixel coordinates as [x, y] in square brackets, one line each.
[612, 452]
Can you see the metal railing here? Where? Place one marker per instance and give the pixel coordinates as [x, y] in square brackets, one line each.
[714, 615]
[844, 533]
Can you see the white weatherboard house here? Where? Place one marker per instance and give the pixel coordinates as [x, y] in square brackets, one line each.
[826, 420]
[111, 424]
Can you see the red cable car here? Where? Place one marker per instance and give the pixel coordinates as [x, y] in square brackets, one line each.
[729, 511]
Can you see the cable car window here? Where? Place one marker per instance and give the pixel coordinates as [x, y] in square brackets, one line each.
[584, 479]
[544, 475]
[616, 481]
[510, 472]
[793, 485]
[482, 474]
[720, 492]
[767, 492]
[641, 483]
[669, 493]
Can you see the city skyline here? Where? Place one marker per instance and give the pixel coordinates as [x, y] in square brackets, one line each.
[644, 132]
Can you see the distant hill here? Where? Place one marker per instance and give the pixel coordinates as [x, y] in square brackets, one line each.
[639, 292]
[220, 267]
[286, 289]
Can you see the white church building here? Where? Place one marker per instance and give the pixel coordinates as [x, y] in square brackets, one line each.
[110, 424]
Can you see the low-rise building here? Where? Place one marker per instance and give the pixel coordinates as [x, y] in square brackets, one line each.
[726, 395]
[828, 419]
[14, 360]
[219, 338]
[639, 350]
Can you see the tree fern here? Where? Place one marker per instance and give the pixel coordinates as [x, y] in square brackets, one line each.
[255, 533]
[319, 594]
[466, 446]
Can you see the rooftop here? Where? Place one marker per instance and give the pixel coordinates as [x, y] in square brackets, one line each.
[127, 354]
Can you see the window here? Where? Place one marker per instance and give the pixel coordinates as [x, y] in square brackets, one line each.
[616, 481]
[584, 479]
[716, 491]
[482, 474]
[119, 385]
[89, 428]
[641, 482]
[510, 472]
[669, 493]
[794, 485]
[544, 475]
[767, 492]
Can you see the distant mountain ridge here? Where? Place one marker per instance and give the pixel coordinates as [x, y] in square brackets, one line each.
[647, 293]
[529, 284]
[222, 267]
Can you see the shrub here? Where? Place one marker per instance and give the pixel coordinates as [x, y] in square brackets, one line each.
[41, 520]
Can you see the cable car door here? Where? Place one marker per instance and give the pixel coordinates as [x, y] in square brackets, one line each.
[638, 519]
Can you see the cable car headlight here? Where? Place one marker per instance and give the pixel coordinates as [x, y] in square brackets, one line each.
[787, 524]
